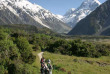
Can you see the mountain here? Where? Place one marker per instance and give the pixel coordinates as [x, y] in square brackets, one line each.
[97, 23]
[24, 12]
[59, 17]
[73, 16]
[70, 11]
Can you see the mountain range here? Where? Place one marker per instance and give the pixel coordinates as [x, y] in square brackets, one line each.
[97, 23]
[24, 12]
[73, 16]
[90, 18]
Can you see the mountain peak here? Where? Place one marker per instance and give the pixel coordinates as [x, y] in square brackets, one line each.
[96, 23]
[70, 11]
[73, 17]
[90, 4]
[91, 1]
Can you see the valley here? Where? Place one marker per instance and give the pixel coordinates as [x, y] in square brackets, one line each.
[77, 42]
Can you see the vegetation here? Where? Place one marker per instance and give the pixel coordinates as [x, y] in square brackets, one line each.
[64, 64]
[79, 48]
[19, 49]
[15, 54]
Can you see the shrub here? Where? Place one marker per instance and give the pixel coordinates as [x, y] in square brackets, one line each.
[36, 47]
[2, 69]
[25, 69]
[75, 47]
[103, 49]
[8, 50]
[3, 35]
[24, 48]
[85, 49]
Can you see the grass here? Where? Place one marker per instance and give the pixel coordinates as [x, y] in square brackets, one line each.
[37, 62]
[64, 64]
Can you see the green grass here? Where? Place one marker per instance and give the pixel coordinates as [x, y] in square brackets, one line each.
[37, 62]
[78, 65]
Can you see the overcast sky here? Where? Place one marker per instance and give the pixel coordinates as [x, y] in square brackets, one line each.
[59, 6]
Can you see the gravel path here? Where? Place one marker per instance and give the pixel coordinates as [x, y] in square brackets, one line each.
[40, 55]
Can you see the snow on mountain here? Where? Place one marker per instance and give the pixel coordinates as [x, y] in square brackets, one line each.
[72, 17]
[28, 7]
[70, 11]
[59, 17]
[38, 13]
[96, 23]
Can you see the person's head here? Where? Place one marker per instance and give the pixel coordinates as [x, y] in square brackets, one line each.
[44, 60]
[49, 61]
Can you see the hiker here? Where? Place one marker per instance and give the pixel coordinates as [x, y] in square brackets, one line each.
[42, 68]
[42, 60]
[46, 70]
[49, 66]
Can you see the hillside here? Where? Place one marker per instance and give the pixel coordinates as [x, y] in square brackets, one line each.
[31, 29]
[32, 14]
[97, 23]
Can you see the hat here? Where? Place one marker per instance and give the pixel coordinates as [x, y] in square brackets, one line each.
[49, 61]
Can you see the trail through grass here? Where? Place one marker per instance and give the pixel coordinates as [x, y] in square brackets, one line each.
[37, 62]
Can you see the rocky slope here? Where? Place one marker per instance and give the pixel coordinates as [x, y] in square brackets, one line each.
[97, 23]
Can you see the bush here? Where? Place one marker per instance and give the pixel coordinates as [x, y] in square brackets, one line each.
[25, 69]
[103, 49]
[8, 50]
[36, 47]
[75, 47]
[24, 48]
[2, 70]
[11, 69]
[3, 35]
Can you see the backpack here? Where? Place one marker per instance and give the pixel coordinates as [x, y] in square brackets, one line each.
[49, 66]
[42, 60]
[42, 65]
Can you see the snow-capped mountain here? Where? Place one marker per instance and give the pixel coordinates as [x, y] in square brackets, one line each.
[60, 17]
[70, 11]
[96, 23]
[26, 11]
[73, 16]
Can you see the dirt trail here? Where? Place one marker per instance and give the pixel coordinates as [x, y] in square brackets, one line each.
[40, 55]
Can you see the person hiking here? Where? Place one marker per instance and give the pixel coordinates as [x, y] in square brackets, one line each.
[46, 70]
[42, 61]
[42, 68]
[49, 66]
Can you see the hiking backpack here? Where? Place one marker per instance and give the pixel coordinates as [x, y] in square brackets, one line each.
[42, 65]
[42, 60]
[49, 66]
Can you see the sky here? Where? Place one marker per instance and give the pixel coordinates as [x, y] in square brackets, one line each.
[59, 6]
